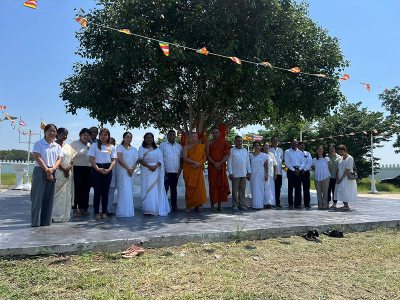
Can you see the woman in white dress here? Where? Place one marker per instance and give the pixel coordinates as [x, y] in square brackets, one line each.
[259, 175]
[63, 196]
[346, 189]
[154, 197]
[269, 199]
[127, 162]
[322, 166]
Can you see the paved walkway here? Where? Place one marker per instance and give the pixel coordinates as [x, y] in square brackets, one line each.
[86, 234]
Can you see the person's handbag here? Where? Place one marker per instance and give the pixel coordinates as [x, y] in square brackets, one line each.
[353, 175]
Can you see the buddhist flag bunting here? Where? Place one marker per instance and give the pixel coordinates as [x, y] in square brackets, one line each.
[247, 138]
[312, 140]
[258, 137]
[391, 127]
[236, 60]
[365, 132]
[266, 64]
[12, 123]
[42, 125]
[203, 51]
[375, 131]
[320, 75]
[386, 90]
[352, 133]
[81, 21]
[125, 31]
[331, 137]
[31, 4]
[22, 123]
[164, 48]
[294, 70]
[367, 86]
[341, 135]
[345, 77]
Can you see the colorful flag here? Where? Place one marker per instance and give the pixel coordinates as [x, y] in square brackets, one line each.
[257, 137]
[7, 115]
[294, 70]
[30, 3]
[247, 138]
[341, 135]
[12, 123]
[352, 133]
[164, 48]
[81, 21]
[312, 140]
[365, 132]
[386, 90]
[320, 75]
[22, 123]
[42, 125]
[203, 51]
[125, 31]
[391, 127]
[266, 64]
[375, 131]
[367, 86]
[236, 60]
[331, 137]
[345, 77]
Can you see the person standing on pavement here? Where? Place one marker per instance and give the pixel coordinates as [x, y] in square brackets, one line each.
[239, 170]
[48, 156]
[334, 158]
[173, 162]
[293, 160]
[305, 174]
[278, 153]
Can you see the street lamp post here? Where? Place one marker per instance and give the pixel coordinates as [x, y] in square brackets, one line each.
[373, 186]
[301, 132]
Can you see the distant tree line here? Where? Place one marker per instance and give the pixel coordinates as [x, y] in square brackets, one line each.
[15, 154]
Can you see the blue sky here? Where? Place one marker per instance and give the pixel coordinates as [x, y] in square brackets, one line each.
[37, 51]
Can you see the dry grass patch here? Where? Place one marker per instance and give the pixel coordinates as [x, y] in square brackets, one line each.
[359, 266]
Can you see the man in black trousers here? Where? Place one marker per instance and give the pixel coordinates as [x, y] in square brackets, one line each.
[305, 174]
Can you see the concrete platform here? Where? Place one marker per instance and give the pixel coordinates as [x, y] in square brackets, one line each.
[85, 234]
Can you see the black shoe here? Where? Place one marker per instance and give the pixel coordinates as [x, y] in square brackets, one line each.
[111, 214]
[279, 206]
[297, 207]
[308, 207]
[290, 206]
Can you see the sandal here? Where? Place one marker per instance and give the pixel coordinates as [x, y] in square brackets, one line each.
[139, 250]
[130, 254]
[344, 208]
[187, 210]
[84, 213]
[104, 216]
[198, 209]
[97, 217]
[76, 213]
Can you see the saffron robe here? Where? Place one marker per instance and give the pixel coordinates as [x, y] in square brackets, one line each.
[195, 194]
[218, 179]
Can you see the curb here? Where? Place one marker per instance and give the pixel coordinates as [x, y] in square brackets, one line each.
[112, 246]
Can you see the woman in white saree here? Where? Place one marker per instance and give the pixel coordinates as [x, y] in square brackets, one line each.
[63, 196]
[269, 199]
[259, 175]
[154, 197]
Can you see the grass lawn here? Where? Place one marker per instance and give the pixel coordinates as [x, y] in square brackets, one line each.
[8, 180]
[359, 266]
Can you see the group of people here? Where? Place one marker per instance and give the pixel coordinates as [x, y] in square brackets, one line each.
[64, 174]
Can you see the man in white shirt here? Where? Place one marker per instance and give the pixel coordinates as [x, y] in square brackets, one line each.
[238, 167]
[173, 162]
[93, 137]
[305, 174]
[278, 152]
[293, 161]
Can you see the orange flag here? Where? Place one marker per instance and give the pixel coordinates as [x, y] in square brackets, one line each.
[294, 70]
[236, 60]
[345, 77]
[30, 3]
[81, 21]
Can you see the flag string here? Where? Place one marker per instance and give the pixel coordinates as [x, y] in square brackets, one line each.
[166, 51]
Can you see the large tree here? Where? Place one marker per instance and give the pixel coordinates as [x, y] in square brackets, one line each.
[128, 80]
[391, 101]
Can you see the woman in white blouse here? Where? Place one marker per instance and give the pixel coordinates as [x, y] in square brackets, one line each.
[346, 189]
[259, 175]
[102, 156]
[127, 162]
[322, 175]
[154, 197]
[82, 172]
[47, 159]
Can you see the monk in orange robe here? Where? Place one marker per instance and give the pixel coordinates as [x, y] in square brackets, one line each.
[194, 157]
[218, 152]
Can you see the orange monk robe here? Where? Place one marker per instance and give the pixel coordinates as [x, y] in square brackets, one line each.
[217, 179]
[196, 194]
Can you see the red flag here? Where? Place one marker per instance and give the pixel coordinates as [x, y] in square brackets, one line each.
[22, 123]
[345, 77]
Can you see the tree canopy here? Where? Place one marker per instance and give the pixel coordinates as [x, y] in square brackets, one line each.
[127, 80]
[391, 101]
